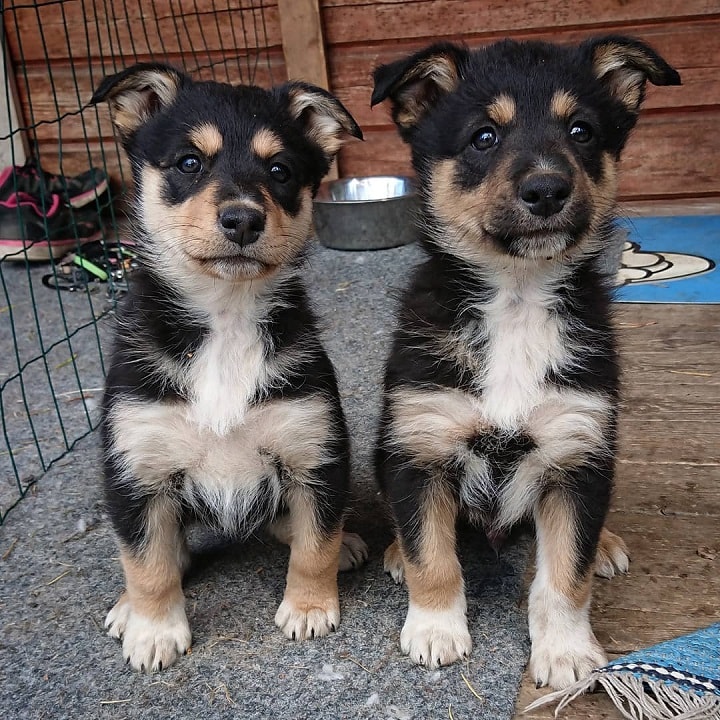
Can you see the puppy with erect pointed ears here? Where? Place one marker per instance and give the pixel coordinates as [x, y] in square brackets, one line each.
[220, 403]
[501, 389]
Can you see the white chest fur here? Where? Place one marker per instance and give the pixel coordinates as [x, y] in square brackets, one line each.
[226, 373]
[524, 339]
[234, 475]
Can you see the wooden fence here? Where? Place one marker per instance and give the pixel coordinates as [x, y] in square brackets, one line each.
[673, 154]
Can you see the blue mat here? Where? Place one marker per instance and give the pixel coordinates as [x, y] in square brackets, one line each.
[678, 679]
[671, 260]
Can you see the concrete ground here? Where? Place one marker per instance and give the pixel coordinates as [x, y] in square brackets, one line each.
[59, 572]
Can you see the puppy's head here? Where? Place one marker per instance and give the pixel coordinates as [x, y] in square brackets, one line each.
[224, 174]
[516, 144]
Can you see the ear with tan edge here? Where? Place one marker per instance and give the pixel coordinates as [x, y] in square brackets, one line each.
[415, 84]
[137, 93]
[624, 65]
[325, 119]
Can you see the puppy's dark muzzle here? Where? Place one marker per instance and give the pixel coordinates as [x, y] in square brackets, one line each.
[545, 194]
[241, 224]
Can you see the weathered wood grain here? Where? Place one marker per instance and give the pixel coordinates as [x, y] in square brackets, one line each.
[667, 500]
[675, 153]
[137, 30]
[667, 155]
[345, 22]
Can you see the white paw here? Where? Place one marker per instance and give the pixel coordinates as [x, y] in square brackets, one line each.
[559, 661]
[436, 637]
[393, 563]
[612, 555]
[353, 552]
[149, 645]
[306, 622]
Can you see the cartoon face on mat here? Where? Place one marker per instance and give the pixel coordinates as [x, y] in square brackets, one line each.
[639, 266]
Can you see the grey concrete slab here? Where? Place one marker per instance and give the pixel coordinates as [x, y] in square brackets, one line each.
[59, 575]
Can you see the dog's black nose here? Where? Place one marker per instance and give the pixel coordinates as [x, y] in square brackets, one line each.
[545, 194]
[242, 225]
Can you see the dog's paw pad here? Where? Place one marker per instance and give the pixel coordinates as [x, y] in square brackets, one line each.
[353, 552]
[305, 621]
[559, 666]
[149, 645]
[435, 638]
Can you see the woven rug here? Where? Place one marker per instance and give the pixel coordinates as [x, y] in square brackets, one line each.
[677, 679]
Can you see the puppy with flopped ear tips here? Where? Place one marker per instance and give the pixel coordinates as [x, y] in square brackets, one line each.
[501, 388]
[221, 405]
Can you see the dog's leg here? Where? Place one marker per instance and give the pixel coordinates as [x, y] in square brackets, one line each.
[568, 525]
[150, 615]
[435, 631]
[353, 551]
[310, 606]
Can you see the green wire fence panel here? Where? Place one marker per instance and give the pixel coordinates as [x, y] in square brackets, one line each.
[65, 255]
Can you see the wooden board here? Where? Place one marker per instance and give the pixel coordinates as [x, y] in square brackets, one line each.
[303, 42]
[691, 46]
[662, 158]
[667, 505]
[62, 51]
[304, 46]
[674, 155]
[12, 148]
[346, 21]
[676, 128]
[138, 30]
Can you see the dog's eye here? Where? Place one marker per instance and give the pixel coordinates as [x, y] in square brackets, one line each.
[280, 173]
[189, 164]
[484, 139]
[581, 132]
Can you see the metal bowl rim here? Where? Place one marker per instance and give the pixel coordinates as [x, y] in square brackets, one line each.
[410, 181]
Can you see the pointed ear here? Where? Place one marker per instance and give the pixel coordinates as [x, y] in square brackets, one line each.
[137, 93]
[624, 65]
[416, 83]
[326, 121]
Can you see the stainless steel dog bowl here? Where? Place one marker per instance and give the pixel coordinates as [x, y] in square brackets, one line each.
[365, 213]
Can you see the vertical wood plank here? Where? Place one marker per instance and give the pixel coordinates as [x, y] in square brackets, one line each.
[304, 46]
[303, 42]
[12, 150]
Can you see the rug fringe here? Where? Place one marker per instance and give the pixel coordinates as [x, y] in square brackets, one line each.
[639, 698]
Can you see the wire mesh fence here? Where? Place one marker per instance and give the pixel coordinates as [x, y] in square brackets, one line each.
[64, 255]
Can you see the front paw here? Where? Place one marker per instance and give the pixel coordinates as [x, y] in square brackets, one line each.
[149, 645]
[612, 555]
[561, 661]
[353, 552]
[304, 621]
[436, 637]
[393, 563]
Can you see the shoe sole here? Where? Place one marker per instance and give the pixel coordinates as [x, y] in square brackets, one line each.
[41, 250]
[78, 201]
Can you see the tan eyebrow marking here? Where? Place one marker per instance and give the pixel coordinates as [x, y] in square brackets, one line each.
[502, 110]
[207, 139]
[266, 143]
[563, 104]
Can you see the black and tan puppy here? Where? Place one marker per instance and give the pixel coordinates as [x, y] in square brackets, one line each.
[501, 389]
[220, 403]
